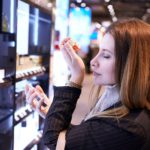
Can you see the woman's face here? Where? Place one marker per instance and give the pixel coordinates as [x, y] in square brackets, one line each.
[103, 65]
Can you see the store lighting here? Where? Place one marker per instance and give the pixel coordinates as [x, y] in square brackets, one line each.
[78, 1]
[114, 19]
[106, 23]
[103, 29]
[87, 8]
[107, 1]
[83, 5]
[110, 7]
[112, 12]
[77, 9]
[97, 25]
[72, 5]
[36, 26]
[148, 10]
[12, 16]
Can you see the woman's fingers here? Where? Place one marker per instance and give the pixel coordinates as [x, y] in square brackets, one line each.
[40, 109]
[39, 89]
[65, 53]
[27, 88]
[69, 54]
[70, 49]
[65, 40]
[29, 93]
[75, 63]
[35, 98]
[39, 104]
[31, 99]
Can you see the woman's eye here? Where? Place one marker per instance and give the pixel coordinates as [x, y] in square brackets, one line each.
[106, 56]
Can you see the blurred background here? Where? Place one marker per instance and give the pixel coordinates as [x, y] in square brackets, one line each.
[30, 34]
[103, 10]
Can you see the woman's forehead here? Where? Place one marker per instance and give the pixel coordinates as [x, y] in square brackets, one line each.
[108, 42]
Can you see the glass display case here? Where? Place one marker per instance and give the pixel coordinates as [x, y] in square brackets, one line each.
[7, 16]
[7, 89]
[24, 59]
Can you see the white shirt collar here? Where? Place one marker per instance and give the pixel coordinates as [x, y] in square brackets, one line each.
[108, 99]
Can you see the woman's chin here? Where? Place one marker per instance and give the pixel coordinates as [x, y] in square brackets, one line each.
[99, 83]
[96, 82]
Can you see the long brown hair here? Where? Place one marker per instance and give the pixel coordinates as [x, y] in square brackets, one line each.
[132, 45]
[132, 50]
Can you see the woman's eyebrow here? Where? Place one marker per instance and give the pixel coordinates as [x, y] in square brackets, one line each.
[103, 49]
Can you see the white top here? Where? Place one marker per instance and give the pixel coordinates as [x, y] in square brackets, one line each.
[108, 98]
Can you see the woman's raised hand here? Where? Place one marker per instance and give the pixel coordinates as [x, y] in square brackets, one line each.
[75, 63]
[35, 97]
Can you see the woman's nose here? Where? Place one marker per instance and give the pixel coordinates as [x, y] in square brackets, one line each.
[93, 63]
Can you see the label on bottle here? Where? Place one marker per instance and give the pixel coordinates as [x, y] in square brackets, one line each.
[2, 74]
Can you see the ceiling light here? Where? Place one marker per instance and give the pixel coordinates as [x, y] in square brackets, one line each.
[83, 5]
[106, 23]
[107, 1]
[111, 10]
[78, 1]
[148, 10]
[72, 5]
[77, 9]
[87, 8]
[114, 19]
[97, 25]
[103, 29]
[110, 7]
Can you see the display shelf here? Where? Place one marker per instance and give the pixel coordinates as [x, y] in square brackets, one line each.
[11, 36]
[35, 141]
[4, 83]
[4, 114]
[21, 114]
[16, 117]
[6, 126]
[29, 73]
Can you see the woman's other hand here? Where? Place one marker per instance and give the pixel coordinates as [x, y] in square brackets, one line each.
[75, 63]
[34, 93]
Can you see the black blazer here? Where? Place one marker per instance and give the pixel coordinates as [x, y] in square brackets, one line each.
[128, 133]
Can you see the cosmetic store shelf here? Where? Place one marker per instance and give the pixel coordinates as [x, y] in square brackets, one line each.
[24, 59]
[4, 114]
[35, 141]
[6, 121]
[21, 114]
[4, 83]
[29, 73]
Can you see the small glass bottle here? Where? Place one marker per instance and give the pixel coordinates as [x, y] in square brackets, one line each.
[5, 25]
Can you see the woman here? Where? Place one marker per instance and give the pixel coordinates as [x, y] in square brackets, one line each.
[121, 117]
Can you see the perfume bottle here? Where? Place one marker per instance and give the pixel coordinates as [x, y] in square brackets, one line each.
[39, 97]
[5, 24]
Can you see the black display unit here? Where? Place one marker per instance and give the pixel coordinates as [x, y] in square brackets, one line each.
[39, 42]
[16, 118]
[8, 54]
[8, 67]
[7, 16]
[7, 89]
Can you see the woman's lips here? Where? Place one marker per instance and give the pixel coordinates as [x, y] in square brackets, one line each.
[96, 74]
